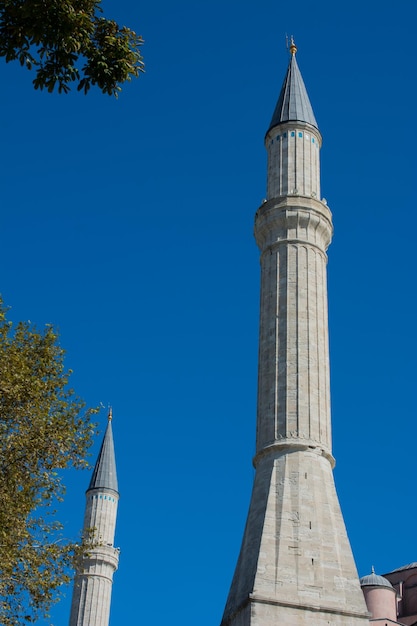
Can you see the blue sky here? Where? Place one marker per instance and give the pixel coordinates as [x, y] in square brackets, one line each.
[128, 224]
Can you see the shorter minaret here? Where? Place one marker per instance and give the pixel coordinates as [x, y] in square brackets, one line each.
[93, 581]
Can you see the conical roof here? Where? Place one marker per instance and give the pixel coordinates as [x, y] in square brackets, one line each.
[104, 475]
[293, 102]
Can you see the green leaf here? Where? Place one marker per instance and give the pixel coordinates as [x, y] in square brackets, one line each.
[44, 428]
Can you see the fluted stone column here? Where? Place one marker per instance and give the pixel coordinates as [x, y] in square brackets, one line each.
[293, 385]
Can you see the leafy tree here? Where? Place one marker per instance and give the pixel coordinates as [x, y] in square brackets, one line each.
[44, 428]
[69, 40]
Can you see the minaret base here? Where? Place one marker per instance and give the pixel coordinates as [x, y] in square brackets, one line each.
[261, 612]
[296, 564]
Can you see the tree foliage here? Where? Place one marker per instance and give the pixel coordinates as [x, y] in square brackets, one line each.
[44, 428]
[69, 40]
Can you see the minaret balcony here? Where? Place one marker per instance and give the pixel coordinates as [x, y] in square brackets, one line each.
[295, 219]
[100, 556]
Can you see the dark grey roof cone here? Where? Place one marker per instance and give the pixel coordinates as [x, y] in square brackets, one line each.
[373, 580]
[104, 475]
[293, 102]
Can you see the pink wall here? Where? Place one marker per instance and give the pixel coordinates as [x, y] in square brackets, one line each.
[381, 602]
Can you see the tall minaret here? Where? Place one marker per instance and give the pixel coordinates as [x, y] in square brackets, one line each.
[295, 565]
[93, 581]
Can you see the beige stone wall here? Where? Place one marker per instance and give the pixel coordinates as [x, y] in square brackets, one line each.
[295, 550]
[296, 564]
[293, 160]
[92, 590]
[101, 514]
[93, 583]
[293, 385]
[266, 614]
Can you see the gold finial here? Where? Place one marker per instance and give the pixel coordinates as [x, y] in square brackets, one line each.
[110, 414]
[293, 47]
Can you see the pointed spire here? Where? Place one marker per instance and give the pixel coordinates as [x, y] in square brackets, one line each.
[104, 475]
[293, 102]
[293, 47]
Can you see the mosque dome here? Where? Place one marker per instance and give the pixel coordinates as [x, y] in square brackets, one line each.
[373, 580]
